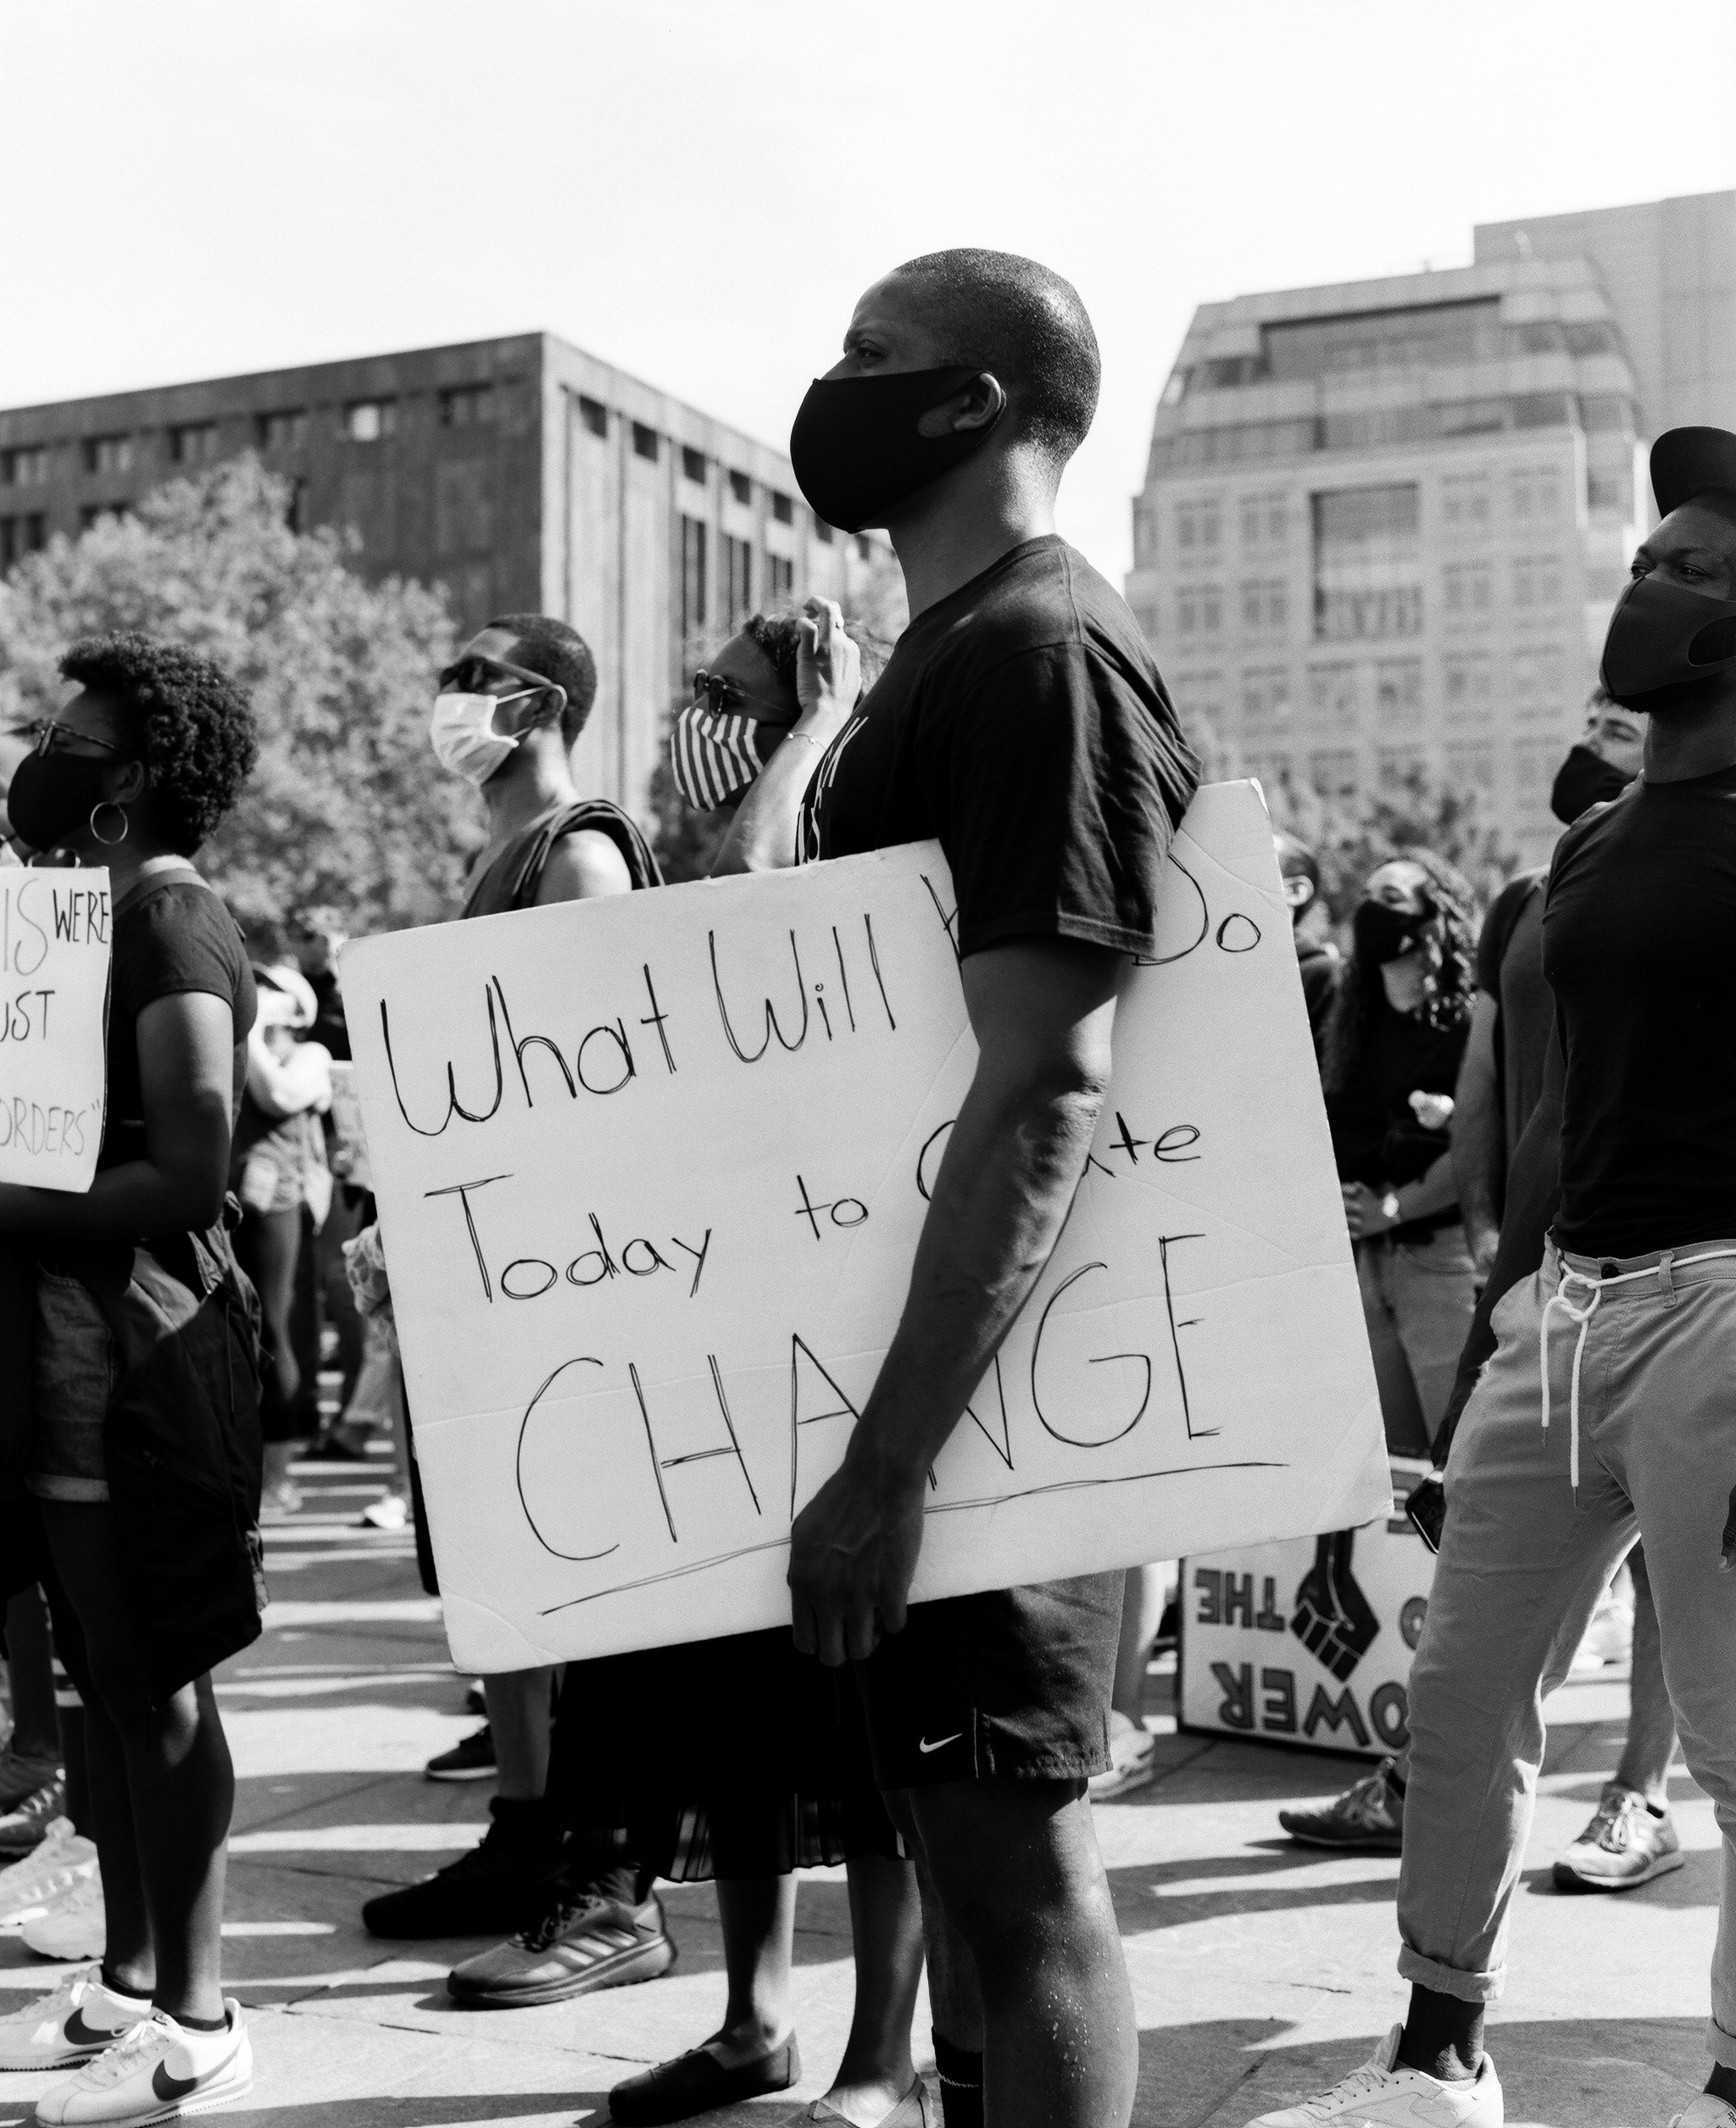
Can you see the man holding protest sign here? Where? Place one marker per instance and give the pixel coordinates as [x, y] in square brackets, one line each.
[1022, 722]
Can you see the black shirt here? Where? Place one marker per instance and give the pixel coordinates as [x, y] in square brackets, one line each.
[1640, 947]
[1320, 965]
[175, 937]
[1510, 968]
[1021, 722]
[1377, 1139]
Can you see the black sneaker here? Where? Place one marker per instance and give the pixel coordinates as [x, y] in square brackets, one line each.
[499, 1885]
[472, 1758]
[586, 1940]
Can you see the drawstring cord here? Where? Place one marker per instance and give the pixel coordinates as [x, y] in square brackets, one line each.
[1582, 1314]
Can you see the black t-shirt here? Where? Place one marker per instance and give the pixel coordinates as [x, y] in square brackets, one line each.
[1377, 1139]
[1320, 965]
[1021, 721]
[1640, 947]
[176, 938]
[1509, 967]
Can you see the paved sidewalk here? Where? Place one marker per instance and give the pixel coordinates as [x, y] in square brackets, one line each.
[1261, 1970]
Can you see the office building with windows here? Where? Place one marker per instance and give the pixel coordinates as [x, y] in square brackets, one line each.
[523, 474]
[1384, 522]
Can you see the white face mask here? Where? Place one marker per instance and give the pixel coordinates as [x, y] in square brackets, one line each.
[463, 734]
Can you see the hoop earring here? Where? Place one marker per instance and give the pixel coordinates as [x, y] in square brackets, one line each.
[109, 841]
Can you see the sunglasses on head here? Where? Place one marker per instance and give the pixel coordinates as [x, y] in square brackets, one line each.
[48, 736]
[712, 687]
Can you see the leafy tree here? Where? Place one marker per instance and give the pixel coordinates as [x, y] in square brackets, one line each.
[1351, 837]
[347, 808]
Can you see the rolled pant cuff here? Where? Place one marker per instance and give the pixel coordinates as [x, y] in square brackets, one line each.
[1720, 2044]
[1446, 1979]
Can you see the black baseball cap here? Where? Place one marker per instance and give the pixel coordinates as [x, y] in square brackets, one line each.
[1685, 462]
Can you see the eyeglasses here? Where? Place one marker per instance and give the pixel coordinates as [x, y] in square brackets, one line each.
[712, 687]
[46, 735]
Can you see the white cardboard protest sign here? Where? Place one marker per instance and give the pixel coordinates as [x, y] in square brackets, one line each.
[651, 1172]
[54, 950]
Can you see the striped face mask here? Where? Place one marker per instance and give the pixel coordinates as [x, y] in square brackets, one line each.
[715, 757]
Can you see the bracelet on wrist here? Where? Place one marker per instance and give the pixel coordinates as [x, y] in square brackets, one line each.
[1389, 1207]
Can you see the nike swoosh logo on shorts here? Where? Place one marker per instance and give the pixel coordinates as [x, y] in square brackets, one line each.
[171, 2087]
[923, 1744]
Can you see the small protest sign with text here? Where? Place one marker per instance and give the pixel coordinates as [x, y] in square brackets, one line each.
[54, 952]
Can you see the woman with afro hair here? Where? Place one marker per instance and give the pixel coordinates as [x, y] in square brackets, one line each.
[142, 1465]
[1392, 1041]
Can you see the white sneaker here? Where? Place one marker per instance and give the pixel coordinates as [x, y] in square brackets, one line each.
[78, 2020]
[1381, 2095]
[30, 1887]
[1704, 2111]
[390, 1512]
[1626, 1844]
[1133, 1751]
[76, 1926]
[157, 2070]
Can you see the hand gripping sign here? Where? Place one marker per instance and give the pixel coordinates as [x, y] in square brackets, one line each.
[651, 1172]
[54, 950]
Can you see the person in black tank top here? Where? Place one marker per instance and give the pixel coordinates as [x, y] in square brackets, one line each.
[143, 1475]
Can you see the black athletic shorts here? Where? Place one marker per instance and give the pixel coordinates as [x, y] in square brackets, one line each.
[1011, 1684]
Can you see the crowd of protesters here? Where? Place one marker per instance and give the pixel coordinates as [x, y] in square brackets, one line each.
[1528, 1119]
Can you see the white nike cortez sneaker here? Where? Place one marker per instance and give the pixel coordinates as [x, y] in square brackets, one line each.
[1381, 2095]
[157, 2070]
[75, 1926]
[1704, 2111]
[78, 2020]
[62, 1860]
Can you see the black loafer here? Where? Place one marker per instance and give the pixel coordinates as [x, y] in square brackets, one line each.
[697, 2083]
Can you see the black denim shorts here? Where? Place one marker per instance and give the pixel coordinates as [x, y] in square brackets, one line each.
[1009, 1685]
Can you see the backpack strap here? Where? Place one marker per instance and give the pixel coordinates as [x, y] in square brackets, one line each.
[598, 815]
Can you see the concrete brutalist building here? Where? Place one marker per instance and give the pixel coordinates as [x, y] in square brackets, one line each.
[1384, 522]
[521, 473]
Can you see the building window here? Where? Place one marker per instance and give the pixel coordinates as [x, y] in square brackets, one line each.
[466, 405]
[1199, 610]
[1397, 691]
[1536, 681]
[1465, 589]
[102, 513]
[693, 464]
[1538, 583]
[693, 534]
[1265, 700]
[1607, 491]
[1471, 768]
[1402, 765]
[108, 453]
[193, 444]
[822, 531]
[1200, 695]
[1198, 523]
[1266, 608]
[1333, 695]
[645, 441]
[782, 507]
[1536, 763]
[1536, 494]
[1466, 687]
[741, 488]
[594, 414]
[738, 577]
[284, 431]
[779, 578]
[1367, 563]
[1265, 520]
[1464, 502]
[27, 466]
[370, 421]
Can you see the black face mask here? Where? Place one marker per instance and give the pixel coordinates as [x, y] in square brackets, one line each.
[53, 795]
[855, 447]
[1664, 643]
[1382, 932]
[1583, 780]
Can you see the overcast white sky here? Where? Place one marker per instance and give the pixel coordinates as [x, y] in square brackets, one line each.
[699, 189]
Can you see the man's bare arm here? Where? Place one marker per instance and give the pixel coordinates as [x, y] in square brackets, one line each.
[1042, 1013]
[1479, 1137]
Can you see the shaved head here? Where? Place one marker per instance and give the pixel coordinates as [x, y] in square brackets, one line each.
[993, 311]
